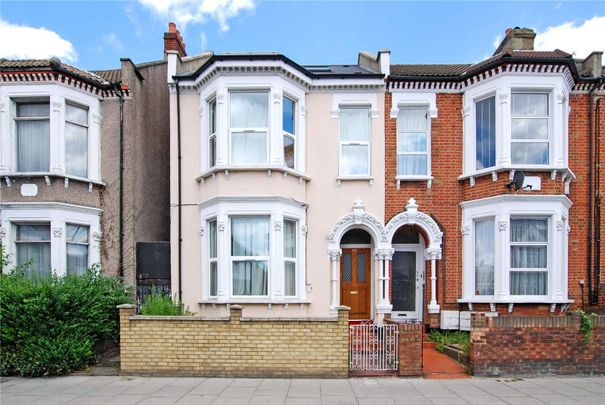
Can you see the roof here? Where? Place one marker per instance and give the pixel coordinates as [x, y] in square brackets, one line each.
[320, 70]
[52, 64]
[459, 71]
[112, 75]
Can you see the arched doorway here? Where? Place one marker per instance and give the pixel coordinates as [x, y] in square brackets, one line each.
[407, 274]
[356, 273]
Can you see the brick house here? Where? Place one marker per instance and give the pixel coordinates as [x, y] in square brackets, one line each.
[64, 201]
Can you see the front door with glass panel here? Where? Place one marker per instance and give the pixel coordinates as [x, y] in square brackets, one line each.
[355, 281]
[407, 282]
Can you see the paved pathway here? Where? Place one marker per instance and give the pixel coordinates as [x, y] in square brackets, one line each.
[361, 391]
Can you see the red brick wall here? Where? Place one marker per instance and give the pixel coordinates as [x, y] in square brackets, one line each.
[443, 198]
[535, 345]
[410, 348]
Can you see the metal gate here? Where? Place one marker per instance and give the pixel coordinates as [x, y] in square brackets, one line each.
[373, 347]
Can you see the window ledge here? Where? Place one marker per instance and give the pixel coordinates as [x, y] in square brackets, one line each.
[428, 179]
[566, 173]
[514, 300]
[266, 301]
[48, 175]
[268, 168]
[340, 179]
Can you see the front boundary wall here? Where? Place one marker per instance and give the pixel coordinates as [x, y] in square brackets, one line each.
[234, 346]
[535, 345]
[410, 348]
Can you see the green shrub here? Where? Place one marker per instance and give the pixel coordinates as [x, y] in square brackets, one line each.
[160, 303]
[50, 325]
[447, 337]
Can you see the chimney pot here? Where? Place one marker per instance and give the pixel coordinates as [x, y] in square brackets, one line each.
[172, 27]
[173, 41]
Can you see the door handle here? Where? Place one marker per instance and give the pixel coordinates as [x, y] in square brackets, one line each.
[354, 292]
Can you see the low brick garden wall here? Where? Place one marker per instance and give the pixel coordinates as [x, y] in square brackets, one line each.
[234, 346]
[535, 345]
[410, 348]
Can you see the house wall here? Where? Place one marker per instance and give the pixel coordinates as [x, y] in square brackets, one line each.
[233, 346]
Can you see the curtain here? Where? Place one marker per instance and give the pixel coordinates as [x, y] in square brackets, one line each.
[412, 119]
[528, 283]
[249, 147]
[531, 255]
[250, 277]
[290, 278]
[77, 249]
[33, 146]
[484, 257]
[354, 160]
[354, 124]
[412, 139]
[249, 110]
[412, 165]
[33, 243]
[485, 141]
[76, 150]
[250, 236]
[289, 238]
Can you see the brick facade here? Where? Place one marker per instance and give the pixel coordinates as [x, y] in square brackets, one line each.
[234, 346]
[535, 345]
[410, 348]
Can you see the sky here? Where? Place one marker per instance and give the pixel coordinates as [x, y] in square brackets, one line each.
[96, 34]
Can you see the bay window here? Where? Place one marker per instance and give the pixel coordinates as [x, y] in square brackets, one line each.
[354, 141]
[290, 257]
[32, 122]
[249, 127]
[33, 248]
[289, 128]
[77, 248]
[412, 142]
[212, 253]
[529, 128]
[515, 249]
[485, 141]
[76, 140]
[212, 133]
[250, 255]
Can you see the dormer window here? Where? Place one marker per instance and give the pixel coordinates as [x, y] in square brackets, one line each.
[32, 122]
[249, 127]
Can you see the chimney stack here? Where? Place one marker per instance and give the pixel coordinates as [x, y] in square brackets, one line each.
[593, 65]
[173, 41]
[517, 39]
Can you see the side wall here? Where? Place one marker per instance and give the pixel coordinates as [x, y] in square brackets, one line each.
[234, 346]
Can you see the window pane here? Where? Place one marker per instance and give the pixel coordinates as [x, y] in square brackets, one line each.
[213, 279]
[535, 153]
[529, 230]
[33, 233]
[289, 151]
[288, 115]
[212, 151]
[250, 277]
[361, 268]
[485, 133]
[249, 110]
[212, 117]
[33, 146]
[528, 283]
[412, 120]
[290, 278]
[530, 128]
[411, 142]
[528, 257]
[249, 147]
[347, 267]
[33, 243]
[76, 150]
[77, 234]
[76, 114]
[354, 124]
[290, 239]
[33, 110]
[212, 238]
[484, 257]
[529, 105]
[77, 258]
[354, 160]
[250, 236]
[411, 165]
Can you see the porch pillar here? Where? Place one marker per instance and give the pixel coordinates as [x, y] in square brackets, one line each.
[384, 302]
[433, 254]
[335, 263]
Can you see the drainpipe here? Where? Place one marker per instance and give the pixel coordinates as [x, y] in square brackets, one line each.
[120, 94]
[179, 181]
[598, 199]
[591, 296]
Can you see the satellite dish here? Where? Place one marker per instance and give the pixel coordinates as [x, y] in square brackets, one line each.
[517, 182]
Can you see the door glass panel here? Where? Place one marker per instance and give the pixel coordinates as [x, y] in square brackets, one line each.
[347, 267]
[361, 268]
[404, 281]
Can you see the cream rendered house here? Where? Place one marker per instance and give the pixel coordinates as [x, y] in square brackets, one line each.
[272, 163]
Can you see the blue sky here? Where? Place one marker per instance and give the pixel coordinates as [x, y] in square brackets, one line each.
[95, 34]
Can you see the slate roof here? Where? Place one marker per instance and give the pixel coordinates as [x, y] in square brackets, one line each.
[52, 64]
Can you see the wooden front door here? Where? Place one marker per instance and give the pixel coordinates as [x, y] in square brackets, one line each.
[355, 281]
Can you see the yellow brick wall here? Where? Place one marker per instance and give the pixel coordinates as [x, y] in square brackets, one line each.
[233, 346]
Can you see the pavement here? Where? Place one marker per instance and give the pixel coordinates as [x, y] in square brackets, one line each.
[109, 390]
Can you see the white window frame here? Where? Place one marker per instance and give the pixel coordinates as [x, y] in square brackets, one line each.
[58, 215]
[367, 143]
[251, 130]
[58, 96]
[211, 259]
[287, 134]
[87, 126]
[502, 86]
[87, 244]
[548, 118]
[35, 100]
[292, 259]
[212, 135]
[502, 209]
[427, 152]
[277, 209]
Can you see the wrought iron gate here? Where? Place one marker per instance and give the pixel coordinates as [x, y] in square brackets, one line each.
[373, 347]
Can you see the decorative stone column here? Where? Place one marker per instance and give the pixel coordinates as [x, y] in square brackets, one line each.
[433, 254]
[384, 262]
[335, 263]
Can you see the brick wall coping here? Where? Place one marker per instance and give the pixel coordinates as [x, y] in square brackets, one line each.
[528, 321]
[177, 318]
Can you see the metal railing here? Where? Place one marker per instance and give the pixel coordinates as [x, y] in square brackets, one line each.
[373, 347]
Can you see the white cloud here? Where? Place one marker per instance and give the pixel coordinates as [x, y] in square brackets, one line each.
[497, 40]
[580, 39]
[33, 43]
[203, 41]
[184, 12]
[112, 40]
